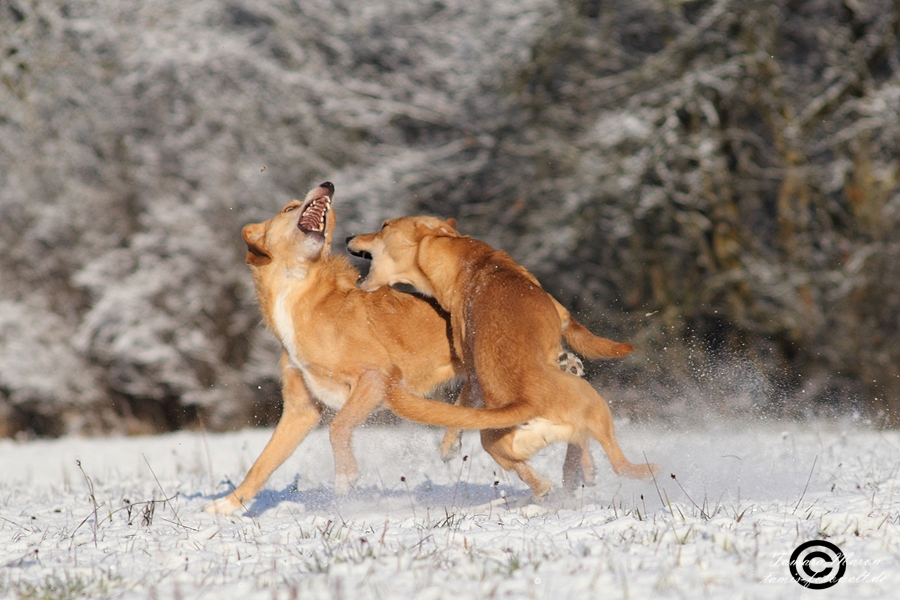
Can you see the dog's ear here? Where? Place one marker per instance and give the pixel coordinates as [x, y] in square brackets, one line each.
[255, 237]
[448, 226]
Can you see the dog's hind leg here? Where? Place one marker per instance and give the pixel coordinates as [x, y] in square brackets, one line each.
[364, 398]
[471, 396]
[451, 444]
[298, 417]
[601, 428]
[499, 444]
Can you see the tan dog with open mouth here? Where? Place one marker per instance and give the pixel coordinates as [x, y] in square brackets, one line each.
[340, 343]
[506, 329]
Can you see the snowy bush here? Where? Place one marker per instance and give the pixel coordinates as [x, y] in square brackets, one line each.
[41, 371]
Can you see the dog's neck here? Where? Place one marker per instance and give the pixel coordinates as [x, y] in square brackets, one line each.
[448, 275]
[303, 280]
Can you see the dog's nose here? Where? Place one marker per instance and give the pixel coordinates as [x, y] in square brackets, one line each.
[328, 186]
[347, 241]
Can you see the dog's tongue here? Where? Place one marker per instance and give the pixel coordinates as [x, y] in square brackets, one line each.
[311, 219]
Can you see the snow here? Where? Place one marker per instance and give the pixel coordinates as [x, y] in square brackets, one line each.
[120, 517]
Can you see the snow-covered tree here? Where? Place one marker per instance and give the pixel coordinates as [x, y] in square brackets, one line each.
[724, 175]
[715, 180]
[136, 139]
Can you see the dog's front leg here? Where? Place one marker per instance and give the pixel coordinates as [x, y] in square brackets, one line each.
[540, 486]
[499, 444]
[364, 398]
[299, 415]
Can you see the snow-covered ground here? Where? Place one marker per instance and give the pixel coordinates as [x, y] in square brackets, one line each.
[121, 518]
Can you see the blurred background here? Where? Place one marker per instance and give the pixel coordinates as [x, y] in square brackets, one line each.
[713, 181]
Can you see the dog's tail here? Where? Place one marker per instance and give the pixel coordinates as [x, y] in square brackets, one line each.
[586, 343]
[592, 346]
[432, 412]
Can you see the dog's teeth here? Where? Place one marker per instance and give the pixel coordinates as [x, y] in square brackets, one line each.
[313, 218]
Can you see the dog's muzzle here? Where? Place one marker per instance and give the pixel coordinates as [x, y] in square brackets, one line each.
[359, 253]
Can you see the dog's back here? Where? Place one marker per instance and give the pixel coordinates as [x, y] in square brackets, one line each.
[512, 328]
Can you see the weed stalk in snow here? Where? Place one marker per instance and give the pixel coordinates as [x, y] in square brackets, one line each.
[90, 485]
[806, 487]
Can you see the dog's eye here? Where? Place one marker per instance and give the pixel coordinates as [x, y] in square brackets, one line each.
[288, 209]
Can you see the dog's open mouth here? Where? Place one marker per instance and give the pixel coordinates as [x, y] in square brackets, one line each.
[312, 219]
[360, 253]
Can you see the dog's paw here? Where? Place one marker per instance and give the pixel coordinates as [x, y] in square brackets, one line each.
[344, 482]
[570, 363]
[645, 471]
[451, 446]
[542, 488]
[225, 505]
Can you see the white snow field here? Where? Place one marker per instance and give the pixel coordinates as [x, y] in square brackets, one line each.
[121, 518]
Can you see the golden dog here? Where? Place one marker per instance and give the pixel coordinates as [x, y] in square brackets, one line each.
[506, 330]
[339, 342]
